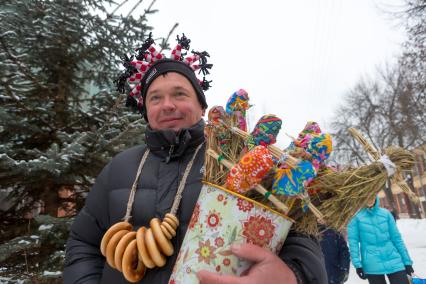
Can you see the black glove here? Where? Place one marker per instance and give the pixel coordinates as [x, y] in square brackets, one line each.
[409, 269]
[360, 273]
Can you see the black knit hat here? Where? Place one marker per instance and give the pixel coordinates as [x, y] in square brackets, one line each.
[147, 64]
[164, 66]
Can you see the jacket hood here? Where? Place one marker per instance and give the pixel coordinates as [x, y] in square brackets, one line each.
[377, 204]
[375, 207]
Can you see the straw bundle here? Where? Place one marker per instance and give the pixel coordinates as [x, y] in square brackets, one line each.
[343, 193]
[221, 140]
[397, 178]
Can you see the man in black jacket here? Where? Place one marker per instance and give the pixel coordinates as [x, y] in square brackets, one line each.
[173, 104]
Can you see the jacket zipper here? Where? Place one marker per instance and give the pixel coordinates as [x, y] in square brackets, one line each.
[172, 147]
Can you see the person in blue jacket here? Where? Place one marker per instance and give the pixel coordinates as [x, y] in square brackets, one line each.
[376, 246]
[336, 255]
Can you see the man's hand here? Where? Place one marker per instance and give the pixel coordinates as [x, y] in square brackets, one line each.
[266, 268]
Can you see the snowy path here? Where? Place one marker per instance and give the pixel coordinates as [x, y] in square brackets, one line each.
[414, 234]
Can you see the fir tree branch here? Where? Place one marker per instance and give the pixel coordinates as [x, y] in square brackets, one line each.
[166, 40]
[24, 106]
[20, 66]
[135, 6]
[130, 127]
[116, 8]
[148, 10]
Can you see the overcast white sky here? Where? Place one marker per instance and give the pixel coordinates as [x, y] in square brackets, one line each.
[296, 59]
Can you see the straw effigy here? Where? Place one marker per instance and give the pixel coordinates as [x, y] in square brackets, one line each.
[397, 177]
[343, 193]
[221, 140]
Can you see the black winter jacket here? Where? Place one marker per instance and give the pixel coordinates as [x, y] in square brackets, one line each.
[106, 205]
[336, 256]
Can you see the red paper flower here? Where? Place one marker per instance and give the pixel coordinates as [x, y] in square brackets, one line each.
[258, 230]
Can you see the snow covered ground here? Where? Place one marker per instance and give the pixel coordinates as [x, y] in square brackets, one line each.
[413, 232]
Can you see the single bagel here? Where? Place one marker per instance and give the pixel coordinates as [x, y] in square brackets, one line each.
[164, 244]
[169, 228]
[153, 250]
[133, 268]
[112, 245]
[119, 251]
[111, 232]
[143, 252]
[166, 232]
[172, 217]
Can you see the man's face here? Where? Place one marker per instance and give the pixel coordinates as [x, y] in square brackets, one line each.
[172, 103]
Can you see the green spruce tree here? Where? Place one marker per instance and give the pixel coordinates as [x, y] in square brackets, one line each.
[60, 119]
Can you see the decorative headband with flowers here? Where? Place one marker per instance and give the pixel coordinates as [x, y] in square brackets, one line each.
[142, 67]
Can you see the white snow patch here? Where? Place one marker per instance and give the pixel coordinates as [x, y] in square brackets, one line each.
[45, 227]
[24, 242]
[65, 157]
[7, 33]
[51, 273]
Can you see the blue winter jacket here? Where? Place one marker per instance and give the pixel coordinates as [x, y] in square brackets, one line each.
[374, 231]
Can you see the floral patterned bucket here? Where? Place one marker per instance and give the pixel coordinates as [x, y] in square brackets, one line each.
[220, 218]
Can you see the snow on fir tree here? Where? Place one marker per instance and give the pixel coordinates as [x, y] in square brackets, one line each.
[60, 119]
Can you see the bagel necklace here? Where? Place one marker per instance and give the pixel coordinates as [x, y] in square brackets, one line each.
[133, 252]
